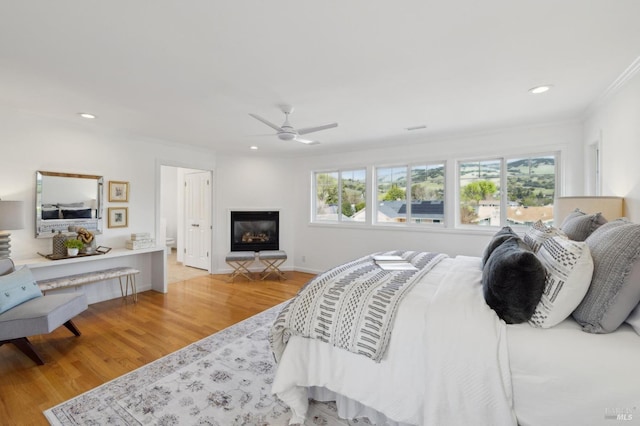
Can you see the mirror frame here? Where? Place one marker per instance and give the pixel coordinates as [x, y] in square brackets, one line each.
[48, 228]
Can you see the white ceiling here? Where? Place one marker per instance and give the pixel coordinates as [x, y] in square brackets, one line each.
[192, 71]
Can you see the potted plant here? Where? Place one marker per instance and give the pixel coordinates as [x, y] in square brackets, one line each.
[73, 246]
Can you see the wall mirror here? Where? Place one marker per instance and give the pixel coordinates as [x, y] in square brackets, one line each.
[67, 199]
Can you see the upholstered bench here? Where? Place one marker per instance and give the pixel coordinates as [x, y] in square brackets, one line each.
[93, 277]
[239, 261]
[272, 260]
[37, 315]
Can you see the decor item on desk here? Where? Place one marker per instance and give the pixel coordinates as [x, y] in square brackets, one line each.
[73, 246]
[118, 217]
[140, 240]
[11, 218]
[118, 191]
[88, 239]
[59, 249]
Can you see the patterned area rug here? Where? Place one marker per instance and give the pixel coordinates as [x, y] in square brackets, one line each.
[224, 379]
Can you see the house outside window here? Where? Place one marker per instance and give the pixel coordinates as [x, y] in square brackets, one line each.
[423, 203]
[340, 196]
[530, 183]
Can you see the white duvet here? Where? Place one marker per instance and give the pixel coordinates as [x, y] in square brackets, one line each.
[446, 364]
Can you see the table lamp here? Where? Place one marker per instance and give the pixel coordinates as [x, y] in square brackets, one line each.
[11, 218]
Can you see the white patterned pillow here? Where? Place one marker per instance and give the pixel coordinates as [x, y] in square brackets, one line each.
[569, 269]
[538, 233]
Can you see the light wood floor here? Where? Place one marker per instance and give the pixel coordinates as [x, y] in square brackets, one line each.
[119, 336]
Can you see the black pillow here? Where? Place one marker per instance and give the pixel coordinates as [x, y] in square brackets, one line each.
[500, 237]
[50, 214]
[77, 214]
[513, 280]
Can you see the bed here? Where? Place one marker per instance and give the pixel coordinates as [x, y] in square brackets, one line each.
[451, 360]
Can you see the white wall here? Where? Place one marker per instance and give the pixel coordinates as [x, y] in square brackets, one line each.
[323, 246]
[617, 122]
[254, 183]
[31, 143]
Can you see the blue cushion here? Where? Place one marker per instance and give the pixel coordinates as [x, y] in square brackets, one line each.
[17, 287]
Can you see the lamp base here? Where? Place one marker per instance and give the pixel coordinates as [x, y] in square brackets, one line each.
[5, 245]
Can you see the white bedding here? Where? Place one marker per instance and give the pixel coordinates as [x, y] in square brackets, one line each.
[558, 376]
[400, 384]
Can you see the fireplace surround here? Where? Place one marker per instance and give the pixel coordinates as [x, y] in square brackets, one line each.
[255, 230]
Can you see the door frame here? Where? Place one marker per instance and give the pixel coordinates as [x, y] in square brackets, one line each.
[158, 199]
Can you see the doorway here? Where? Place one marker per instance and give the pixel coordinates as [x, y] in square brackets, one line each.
[185, 218]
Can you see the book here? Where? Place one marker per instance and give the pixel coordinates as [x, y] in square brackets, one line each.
[397, 266]
[387, 258]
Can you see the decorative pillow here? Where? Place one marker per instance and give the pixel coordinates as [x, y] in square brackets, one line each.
[538, 233]
[634, 319]
[513, 281]
[50, 214]
[17, 287]
[569, 270]
[615, 286]
[76, 214]
[498, 238]
[578, 225]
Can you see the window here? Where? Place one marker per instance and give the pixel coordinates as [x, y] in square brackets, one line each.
[423, 203]
[340, 196]
[530, 190]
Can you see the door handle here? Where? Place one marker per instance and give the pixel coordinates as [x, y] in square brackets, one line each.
[195, 224]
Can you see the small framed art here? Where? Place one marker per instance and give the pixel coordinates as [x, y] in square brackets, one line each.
[118, 217]
[118, 191]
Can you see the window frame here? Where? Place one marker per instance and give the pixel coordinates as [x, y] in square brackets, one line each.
[408, 198]
[556, 154]
[339, 216]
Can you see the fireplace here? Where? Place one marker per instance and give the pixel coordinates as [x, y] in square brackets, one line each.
[255, 230]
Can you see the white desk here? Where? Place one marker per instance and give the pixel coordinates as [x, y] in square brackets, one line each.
[150, 262]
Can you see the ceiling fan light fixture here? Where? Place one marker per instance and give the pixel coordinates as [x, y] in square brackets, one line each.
[286, 136]
[540, 89]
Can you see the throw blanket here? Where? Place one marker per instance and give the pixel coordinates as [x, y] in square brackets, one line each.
[351, 306]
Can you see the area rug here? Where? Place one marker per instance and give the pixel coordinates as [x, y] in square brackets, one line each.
[224, 379]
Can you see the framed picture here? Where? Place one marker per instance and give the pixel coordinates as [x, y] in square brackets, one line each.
[118, 217]
[118, 191]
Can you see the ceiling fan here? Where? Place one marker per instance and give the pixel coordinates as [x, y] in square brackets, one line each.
[287, 132]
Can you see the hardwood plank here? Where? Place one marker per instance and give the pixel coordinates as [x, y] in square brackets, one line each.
[119, 336]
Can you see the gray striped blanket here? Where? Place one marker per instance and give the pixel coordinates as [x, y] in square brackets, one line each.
[351, 306]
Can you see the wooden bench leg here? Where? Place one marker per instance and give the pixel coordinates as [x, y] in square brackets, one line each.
[240, 267]
[272, 266]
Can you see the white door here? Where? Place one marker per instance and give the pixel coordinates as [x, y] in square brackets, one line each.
[197, 216]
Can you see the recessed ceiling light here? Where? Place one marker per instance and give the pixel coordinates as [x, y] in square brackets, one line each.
[253, 147]
[540, 89]
[86, 115]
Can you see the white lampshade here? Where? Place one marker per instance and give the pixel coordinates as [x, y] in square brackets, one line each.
[610, 207]
[11, 215]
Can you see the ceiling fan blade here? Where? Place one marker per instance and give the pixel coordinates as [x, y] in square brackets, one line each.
[267, 122]
[316, 129]
[307, 141]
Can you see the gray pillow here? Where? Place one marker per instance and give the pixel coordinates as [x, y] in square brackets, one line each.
[513, 280]
[578, 225]
[498, 238]
[615, 287]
